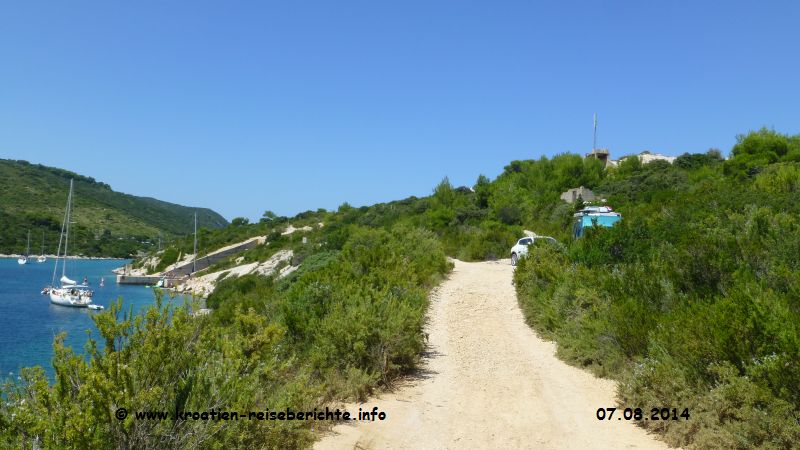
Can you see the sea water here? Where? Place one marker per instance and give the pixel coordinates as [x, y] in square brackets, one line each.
[29, 322]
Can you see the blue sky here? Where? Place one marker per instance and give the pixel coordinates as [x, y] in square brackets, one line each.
[289, 106]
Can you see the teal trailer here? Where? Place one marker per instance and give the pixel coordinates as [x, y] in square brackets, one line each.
[595, 217]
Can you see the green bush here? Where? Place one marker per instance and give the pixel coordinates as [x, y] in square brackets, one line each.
[691, 301]
[347, 321]
[168, 256]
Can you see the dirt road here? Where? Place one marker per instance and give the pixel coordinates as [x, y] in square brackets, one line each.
[489, 382]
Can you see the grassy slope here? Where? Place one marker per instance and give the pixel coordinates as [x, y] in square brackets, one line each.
[33, 197]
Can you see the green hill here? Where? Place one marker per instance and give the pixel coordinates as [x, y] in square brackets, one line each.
[108, 223]
[691, 303]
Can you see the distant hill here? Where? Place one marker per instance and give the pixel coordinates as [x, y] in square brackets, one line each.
[108, 223]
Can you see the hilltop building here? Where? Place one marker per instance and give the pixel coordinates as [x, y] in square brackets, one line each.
[571, 195]
[600, 153]
[647, 157]
[604, 155]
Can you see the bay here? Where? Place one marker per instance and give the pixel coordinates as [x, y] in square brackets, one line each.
[29, 322]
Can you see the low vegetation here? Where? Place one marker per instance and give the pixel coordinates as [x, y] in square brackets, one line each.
[350, 320]
[692, 301]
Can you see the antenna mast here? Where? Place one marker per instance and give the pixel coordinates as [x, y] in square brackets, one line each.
[594, 143]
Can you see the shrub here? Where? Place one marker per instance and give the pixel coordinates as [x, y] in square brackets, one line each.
[169, 256]
[348, 320]
[692, 300]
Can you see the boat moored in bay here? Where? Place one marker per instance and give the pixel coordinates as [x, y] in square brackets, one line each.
[24, 259]
[70, 293]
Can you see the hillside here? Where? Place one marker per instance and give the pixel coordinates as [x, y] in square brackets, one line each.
[108, 223]
[690, 303]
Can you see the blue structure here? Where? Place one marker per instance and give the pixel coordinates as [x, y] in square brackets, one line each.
[592, 216]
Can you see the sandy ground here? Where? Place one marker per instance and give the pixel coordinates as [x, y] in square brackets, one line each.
[189, 256]
[488, 381]
[204, 285]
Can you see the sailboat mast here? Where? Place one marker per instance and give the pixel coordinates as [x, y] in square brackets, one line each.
[28, 249]
[194, 262]
[66, 237]
[61, 238]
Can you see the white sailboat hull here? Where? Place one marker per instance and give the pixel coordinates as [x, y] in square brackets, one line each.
[22, 260]
[70, 297]
[41, 259]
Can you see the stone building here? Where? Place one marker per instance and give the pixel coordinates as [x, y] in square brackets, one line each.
[647, 157]
[571, 195]
[600, 153]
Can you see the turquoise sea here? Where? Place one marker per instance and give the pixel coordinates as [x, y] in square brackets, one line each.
[29, 322]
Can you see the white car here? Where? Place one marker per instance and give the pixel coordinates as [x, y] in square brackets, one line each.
[520, 249]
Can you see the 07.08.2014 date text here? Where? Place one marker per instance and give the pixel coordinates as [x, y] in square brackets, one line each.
[639, 414]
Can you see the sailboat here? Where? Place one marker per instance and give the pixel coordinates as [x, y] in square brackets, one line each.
[24, 259]
[70, 293]
[41, 257]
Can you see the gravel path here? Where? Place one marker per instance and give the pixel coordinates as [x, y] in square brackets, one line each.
[488, 381]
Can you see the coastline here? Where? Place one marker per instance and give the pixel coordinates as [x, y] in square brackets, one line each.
[13, 256]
